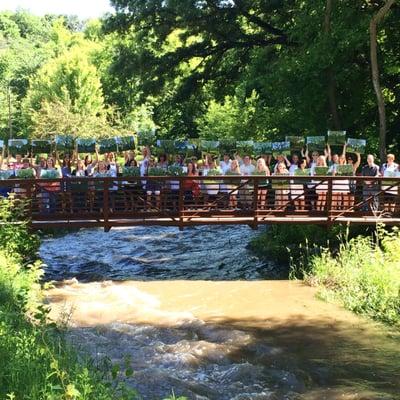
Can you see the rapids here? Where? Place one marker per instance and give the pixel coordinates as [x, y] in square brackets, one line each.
[193, 312]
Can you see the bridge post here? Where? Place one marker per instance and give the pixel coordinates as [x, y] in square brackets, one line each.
[181, 204]
[106, 205]
[29, 196]
[255, 203]
[329, 201]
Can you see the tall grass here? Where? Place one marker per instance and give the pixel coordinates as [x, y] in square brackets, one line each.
[35, 361]
[363, 275]
[283, 243]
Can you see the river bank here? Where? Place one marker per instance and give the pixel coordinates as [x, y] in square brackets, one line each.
[36, 361]
[359, 271]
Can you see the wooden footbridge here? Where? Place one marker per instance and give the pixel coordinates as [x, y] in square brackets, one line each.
[182, 201]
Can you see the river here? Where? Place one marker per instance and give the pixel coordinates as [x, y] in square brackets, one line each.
[195, 313]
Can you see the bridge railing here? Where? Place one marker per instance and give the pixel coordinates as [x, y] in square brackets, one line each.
[183, 200]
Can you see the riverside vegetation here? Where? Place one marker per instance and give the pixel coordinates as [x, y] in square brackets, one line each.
[359, 271]
[364, 275]
[36, 361]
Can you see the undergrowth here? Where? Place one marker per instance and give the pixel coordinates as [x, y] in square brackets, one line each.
[363, 275]
[36, 362]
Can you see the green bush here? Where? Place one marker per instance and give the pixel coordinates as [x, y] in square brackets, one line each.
[281, 243]
[364, 275]
[36, 362]
[15, 238]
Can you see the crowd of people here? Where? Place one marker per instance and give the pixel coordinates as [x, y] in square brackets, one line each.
[310, 194]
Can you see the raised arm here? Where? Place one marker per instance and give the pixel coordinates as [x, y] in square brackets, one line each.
[305, 155]
[344, 150]
[238, 158]
[328, 153]
[75, 158]
[57, 158]
[357, 163]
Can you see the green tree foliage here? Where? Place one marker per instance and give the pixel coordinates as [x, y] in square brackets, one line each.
[237, 117]
[68, 77]
[23, 49]
[213, 68]
[307, 62]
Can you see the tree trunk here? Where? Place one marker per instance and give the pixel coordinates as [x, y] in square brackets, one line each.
[376, 20]
[329, 72]
[10, 134]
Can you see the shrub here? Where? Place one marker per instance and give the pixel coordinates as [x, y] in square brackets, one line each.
[36, 362]
[15, 238]
[364, 275]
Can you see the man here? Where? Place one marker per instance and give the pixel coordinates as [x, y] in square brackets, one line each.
[294, 164]
[225, 164]
[370, 188]
[247, 168]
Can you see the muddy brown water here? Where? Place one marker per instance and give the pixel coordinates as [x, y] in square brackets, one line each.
[217, 339]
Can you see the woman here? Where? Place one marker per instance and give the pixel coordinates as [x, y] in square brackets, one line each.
[19, 190]
[297, 188]
[144, 165]
[333, 160]
[191, 186]
[262, 170]
[131, 188]
[390, 169]
[162, 162]
[321, 188]
[112, 164]
[129, 156]
[113, 168]
[42, 165]
[234, 170]
[178, 161]
[80, 169]
[225, 164]
[340, 187]
[97, 200]
[353, 183]
[153, 187]
[50, 189]
[90, 165]
[281, 190]
[66, 166]
[280, 158]
[78, 189]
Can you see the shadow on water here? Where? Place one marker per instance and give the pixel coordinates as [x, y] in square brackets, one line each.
[237, 360]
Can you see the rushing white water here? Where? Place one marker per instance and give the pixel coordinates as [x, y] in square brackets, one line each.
[145, 253]
[188, 311]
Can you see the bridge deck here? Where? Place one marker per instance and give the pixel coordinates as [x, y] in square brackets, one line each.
[187, 201]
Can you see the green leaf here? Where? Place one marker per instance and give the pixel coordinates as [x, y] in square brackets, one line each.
[129, 372]
[72, 392]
